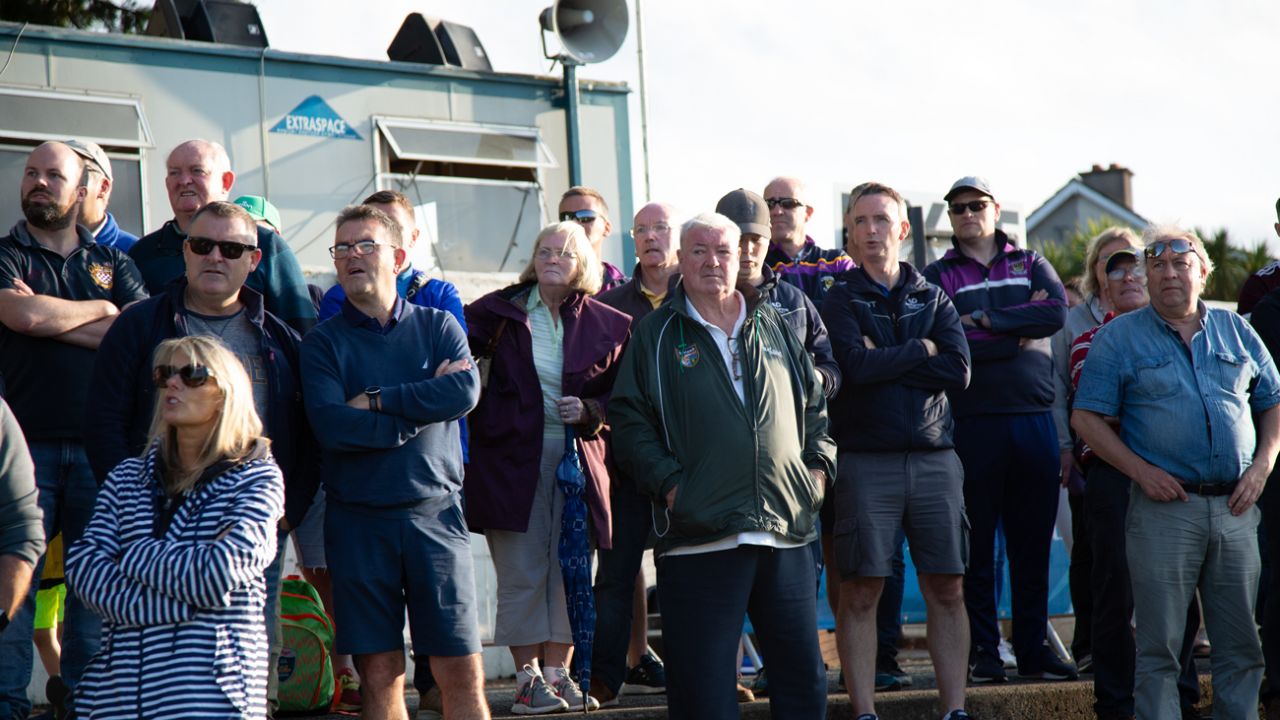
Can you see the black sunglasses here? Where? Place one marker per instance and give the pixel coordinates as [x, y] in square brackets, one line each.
[786, 203]
[230, 250]
[580, 216]
[1177, 245]
[974, 206]
[192, 376]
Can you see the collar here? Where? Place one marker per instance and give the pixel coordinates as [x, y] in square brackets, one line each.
[809, 244]
[23, 236]
[404, 279]
[359, 319]
[737, 324]
[254, 307]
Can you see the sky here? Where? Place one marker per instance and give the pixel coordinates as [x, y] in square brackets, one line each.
[912, 93]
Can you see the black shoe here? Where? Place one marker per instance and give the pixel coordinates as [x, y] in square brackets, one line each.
[987, 668]
[1051, 668]
[761, 686]
[1084, 665]
[647, 678]
[957, 715]
[892, 669]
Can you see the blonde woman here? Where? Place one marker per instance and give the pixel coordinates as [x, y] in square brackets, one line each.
[174, 556]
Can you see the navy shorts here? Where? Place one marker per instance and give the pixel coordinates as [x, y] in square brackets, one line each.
[386, 560]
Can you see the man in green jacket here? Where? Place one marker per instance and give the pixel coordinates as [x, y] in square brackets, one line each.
[719, 417]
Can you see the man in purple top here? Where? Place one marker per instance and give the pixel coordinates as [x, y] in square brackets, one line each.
[586, 206]
[793, 255]
[1010, 301]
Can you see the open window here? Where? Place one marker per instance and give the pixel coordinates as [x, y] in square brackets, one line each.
[118, 124]
[477, 188]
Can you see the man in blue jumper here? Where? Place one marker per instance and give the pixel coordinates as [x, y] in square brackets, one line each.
[1010, 301]
[93, 210]
[384, 383]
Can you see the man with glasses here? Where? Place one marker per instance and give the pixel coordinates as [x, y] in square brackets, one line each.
[59, 293]
[198, 172]
[586, 206]
[793, 255]
[1010, 302]
[93, 211]
[1197, 400]
[621, 651]
[212, 298]
[384, 381]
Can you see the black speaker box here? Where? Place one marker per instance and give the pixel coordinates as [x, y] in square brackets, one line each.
[221, 21]
[438, 42]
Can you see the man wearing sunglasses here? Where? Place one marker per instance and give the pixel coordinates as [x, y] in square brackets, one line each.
[586, 206]
[1198, 402]
[793, 255]
[1010, 302]
[59, 293]
[198, 172]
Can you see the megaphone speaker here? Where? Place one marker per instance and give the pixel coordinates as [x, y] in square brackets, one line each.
[590, 31]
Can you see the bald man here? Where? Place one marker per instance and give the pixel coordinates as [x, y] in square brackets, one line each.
[793, 255]
[198, 172]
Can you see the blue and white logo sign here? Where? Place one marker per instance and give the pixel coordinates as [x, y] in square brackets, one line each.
[314, 117]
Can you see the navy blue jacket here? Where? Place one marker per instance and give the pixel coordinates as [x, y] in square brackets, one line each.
[119, 410]
[802, 317]
[894, 396]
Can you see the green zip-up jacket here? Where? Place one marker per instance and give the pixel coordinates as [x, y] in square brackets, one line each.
[739, 466]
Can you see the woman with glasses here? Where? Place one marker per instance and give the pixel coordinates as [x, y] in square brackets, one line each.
[174, 556]
[552, 353]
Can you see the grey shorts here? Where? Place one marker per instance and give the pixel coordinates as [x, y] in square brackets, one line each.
[308, 537]
[919, 492]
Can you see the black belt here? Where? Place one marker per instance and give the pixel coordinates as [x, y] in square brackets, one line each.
[1210, 489]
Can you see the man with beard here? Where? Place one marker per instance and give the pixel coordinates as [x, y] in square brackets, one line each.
[59, 292]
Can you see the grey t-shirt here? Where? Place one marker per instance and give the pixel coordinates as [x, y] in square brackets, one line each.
[238, 333]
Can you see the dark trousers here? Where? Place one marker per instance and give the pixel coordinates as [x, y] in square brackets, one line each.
[1106, 501]
[889, 610]
[704, 599]
[1270, 530]
[1080, 576]
[1011, 468]
[615, 584]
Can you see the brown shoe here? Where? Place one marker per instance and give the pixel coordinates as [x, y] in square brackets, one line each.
[602, 694]
[744, 693]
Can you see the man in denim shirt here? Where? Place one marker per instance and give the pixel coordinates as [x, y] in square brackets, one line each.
[1197, 399]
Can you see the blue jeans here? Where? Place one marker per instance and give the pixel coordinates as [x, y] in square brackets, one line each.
[68, 491]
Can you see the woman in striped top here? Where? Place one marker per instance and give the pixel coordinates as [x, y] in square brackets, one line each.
[173, 558]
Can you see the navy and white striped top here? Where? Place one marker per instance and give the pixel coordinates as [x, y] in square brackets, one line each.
[184, 634]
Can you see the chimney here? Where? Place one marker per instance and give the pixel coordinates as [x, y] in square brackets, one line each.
[1115, 182]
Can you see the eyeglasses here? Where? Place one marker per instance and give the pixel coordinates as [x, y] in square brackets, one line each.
[786, 203]
[1137, 272]
[973, 206]
[193, 376]
[656, 229]
[1177, 245]
[340, 251]
[583, 217]
[548, 253]
[230, 250]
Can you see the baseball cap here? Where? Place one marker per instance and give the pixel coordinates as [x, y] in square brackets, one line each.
[748, 210]
[92, 153]
[260, 209]
[969, 182]
[1124, 253]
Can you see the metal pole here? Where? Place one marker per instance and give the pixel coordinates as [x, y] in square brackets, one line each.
[571, 119]
[644, 100]
[919, 245]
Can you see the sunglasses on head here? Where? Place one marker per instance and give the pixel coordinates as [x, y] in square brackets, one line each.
[229, 249]
[192, 376]
[974, 206]
[1176, 245]
[786, 203]
[579, 216]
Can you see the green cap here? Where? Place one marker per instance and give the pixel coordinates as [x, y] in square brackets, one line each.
[261, 209]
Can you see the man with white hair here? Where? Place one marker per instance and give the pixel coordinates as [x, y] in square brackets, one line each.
[1196, 397]
[197, 173]
[720, 418]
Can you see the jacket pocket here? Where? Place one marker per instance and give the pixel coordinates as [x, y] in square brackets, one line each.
[1156, 378]
[1234, 372]
[230, 661]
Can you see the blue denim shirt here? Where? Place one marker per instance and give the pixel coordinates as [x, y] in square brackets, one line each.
[1186, 410]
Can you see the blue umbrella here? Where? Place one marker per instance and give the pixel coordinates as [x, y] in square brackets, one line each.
[575, 559]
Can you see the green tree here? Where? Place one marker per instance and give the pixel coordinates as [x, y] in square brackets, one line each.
[1232, 265]
[124, 16]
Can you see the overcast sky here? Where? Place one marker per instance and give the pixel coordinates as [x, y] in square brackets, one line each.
[913, 93]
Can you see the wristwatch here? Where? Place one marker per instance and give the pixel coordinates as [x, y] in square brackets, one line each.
[374, 393]
[977, 316]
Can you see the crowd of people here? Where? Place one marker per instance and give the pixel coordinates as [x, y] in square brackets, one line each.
[758, 410]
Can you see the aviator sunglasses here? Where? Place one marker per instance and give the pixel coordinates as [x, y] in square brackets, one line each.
[193, 376]
[1176, 245]
[230, 250]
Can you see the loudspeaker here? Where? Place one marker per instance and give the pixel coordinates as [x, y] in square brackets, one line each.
[438, 42]
[221, 21]
[590, 31]
[166, 20]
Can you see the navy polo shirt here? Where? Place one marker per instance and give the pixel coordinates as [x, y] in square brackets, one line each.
[46, 380]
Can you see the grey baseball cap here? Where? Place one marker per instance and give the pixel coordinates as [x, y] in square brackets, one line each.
[748, 210]
[92, 153]
[1124, 253]
[969, 182]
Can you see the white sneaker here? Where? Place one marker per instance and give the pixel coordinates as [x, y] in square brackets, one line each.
[1006, 654]
[569, 692]
[535, 697]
